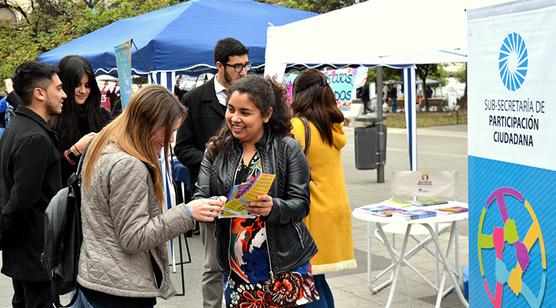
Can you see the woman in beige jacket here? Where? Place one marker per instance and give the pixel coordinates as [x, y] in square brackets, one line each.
[123, 259]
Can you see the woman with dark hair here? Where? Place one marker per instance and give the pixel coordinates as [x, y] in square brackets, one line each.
[265, 259]
[81, 112]
[317, 125]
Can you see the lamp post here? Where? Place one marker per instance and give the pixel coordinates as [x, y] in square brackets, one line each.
[381, 131]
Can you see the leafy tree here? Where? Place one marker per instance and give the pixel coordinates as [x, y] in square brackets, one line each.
[317, 6]
[425, 71]
[52, 23]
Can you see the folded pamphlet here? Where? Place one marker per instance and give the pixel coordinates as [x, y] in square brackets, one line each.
[380, 210]
[414, 214]
[242, 194]
[428, 201]
[452, 210]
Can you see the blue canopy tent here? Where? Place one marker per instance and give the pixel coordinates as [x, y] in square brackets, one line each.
[180, 38]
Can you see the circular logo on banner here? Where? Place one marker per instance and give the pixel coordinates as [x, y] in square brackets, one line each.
[506, 236]
[512, 61]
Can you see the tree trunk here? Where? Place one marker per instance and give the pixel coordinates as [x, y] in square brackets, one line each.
[423, 72]
[424, 83]
[463, 102]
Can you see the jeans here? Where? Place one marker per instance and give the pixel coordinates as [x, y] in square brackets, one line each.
[83, 302]
[326, 298]
[394, 105]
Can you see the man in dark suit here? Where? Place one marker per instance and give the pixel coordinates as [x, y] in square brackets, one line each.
[29, 178]
[206, 108]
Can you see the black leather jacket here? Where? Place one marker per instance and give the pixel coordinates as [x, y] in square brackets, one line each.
[288, 240]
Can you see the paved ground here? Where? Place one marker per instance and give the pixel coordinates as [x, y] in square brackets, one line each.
[441, 148]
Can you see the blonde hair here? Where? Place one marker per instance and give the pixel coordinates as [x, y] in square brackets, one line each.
[151, 108]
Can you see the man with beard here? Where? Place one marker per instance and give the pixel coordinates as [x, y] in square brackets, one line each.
[206, 108]
[29, 178]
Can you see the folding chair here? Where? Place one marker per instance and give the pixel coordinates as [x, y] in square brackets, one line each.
[410, 185]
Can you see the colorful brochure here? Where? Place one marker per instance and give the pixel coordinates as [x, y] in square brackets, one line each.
[414, 214]
[452, 210]
[242, 194]
[381, 210]
[428, 201]
[400, 202]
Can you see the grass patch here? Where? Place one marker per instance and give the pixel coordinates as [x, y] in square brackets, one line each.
[428, 119]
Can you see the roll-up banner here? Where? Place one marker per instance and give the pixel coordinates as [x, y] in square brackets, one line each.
[512, 155]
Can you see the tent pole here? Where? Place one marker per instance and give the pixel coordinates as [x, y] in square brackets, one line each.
[381, 130]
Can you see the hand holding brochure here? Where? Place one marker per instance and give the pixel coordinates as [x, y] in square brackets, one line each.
[242, 194]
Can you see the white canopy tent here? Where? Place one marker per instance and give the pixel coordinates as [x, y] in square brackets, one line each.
[398, 33]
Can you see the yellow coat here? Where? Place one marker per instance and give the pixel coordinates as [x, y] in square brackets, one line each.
[329, 219]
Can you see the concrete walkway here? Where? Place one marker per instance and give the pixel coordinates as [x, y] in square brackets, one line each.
[439, 148]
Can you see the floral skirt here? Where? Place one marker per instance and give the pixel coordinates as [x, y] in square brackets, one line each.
[289, 289]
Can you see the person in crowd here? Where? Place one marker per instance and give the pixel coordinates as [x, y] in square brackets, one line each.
[179, 92]
[393, 96]
[428, 92]
[123, 260]
[13, 99]
[206, 106]
[3, 110]
[329, 219]
[115, 102]
[385, 91]
[29, 178]
[81, 113]
[365, 97]
[264, 259]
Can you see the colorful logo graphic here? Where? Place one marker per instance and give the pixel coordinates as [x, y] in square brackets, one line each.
[508, 234]
[512, 61]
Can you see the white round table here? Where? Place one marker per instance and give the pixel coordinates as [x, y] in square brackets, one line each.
[398, 259]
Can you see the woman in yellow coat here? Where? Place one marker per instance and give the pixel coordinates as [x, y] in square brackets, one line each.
[329, 221]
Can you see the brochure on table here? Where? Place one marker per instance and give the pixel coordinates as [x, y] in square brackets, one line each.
[406, 210]
[512, 154]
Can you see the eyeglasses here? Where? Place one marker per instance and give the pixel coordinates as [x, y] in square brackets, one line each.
[238, 66]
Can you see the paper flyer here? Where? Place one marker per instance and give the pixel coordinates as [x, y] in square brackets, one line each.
[242, 194]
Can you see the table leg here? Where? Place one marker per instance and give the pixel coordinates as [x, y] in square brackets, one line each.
[398, 261]
[440, 291]
[447, 268]
[369, 258]
[436, 267]
[456, 252]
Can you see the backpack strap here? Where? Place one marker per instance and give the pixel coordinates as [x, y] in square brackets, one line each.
[82, 159]
[307, 134]
[55, 295]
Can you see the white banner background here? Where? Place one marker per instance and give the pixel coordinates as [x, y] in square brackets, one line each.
[488, 97]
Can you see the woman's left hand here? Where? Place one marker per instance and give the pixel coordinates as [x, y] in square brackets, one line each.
[261, 207]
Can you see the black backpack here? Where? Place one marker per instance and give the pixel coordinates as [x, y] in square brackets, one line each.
[63, 237]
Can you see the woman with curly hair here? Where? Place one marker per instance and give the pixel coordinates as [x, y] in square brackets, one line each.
[265, 259]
